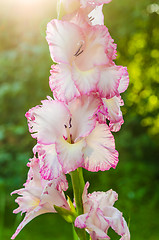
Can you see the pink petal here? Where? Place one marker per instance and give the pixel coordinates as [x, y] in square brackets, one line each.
[61, 83]
[63, 38]
[94, 50]
[104, 198]
[124, 81]
[114, 113]
[46, 122]
[116, 221]
[93, 223]
[50, 167]
[70, 155]
[80, 221]
[100, 153]
[126, 235]
[109, 81]
[51, 196]
[83, 112]
[28, 217]
[97, 16]
[61, 183]
[85, 81]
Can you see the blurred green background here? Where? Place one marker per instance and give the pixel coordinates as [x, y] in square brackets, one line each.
[24, 71]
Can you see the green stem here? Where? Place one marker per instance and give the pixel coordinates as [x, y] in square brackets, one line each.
[78, 186]
[75, 236]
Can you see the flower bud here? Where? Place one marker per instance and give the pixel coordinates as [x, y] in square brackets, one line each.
[65, 7]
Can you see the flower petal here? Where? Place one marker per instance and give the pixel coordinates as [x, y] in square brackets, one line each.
[85, 81]
[70, 155]
[83, 112]
[96, 16]
[93, 223]
[116, 221]
[28, 217]
[61, 83]
[103, 198]
[114, 113]
[100, 153]
[80, 221]
[109, 81]
[51, 196]
[50, 168]
[124, 81]
[63, 38]
[47, 121]
[97, 43]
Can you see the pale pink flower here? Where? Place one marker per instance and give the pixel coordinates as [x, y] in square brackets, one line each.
[69, 136]
[99, 215]
[85, 56]
[39, 196]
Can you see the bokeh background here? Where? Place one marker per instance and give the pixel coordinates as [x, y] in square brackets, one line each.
[24, 71]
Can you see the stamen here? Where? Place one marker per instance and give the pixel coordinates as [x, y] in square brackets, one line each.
[91, 19]
[76, 54]
[70, 125]
[79, 53]
[68, 137]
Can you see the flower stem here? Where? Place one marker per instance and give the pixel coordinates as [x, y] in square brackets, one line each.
[78, 186]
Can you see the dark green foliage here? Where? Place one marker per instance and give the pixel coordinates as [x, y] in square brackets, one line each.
[24, 71]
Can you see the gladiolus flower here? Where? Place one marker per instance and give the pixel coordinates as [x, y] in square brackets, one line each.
[39, 196]
[84, 55]
[71, 137]
[99, 215]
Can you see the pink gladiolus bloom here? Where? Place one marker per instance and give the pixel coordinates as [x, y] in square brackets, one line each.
[99, 215]
[70, 136]
[39, 196]
[85, 55]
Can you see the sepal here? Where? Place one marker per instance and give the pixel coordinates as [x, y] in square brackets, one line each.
[68, 215]
[70, 203]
